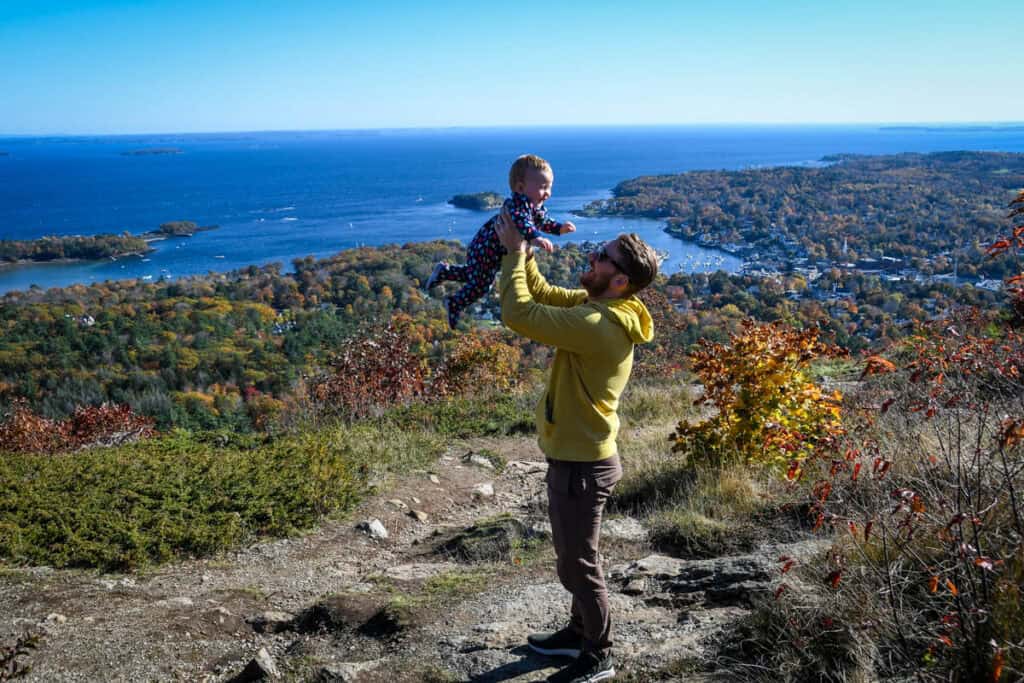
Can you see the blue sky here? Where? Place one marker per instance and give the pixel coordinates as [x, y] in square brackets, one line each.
[92, 66]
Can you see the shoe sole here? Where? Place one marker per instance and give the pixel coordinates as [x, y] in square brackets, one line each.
[432, 280]
[555, 652]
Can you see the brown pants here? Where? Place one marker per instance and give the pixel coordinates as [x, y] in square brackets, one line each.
[577, 492]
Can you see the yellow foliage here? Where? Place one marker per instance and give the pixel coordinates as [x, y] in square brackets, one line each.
[767, 409]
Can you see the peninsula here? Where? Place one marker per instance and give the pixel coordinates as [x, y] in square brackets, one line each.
[73, 248]
[905, 215]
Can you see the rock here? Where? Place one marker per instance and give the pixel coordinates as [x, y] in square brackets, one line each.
[722, 580]
[396, 503]
[271, 621]
[480, 461]
[485, 490]
[261, 667]
[419, 516]
[488, 541]
[434, 480]
[415, 500]
[527, 466]
[373, 528]
[55, 618]
[626, 529]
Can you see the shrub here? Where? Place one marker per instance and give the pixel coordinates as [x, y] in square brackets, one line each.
[128, 507]
[928, 490]
[767, 410]
[373, 373]
[105, 425]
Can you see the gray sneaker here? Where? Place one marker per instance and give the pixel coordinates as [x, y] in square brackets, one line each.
[589, 667]
[564, 643]
[432, 280]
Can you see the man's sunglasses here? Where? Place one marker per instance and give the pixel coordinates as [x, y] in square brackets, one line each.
[603, 255]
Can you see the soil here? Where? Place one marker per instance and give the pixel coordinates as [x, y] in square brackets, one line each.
[336, 604]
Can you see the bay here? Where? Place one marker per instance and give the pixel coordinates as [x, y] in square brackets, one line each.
[278, 196]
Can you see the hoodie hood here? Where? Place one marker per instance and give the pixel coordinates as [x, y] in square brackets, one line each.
[634, 317]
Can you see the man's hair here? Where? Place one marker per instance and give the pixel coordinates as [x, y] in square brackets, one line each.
[638, 260]
[517, 173]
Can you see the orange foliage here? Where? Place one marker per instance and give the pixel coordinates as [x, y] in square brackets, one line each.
[25, 432]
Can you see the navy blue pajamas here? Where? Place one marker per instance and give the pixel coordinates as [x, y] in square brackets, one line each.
[483, 256]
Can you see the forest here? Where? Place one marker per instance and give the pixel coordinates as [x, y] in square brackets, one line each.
[74, 247]
[224, 350]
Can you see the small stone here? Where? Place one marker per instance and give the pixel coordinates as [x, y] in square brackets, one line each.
[261, 667]
[418, 515]
[373, 528]
[626, 529]
[485, 490]
[635, 586]
[415, 500]
[480, 461]
[395, 502]
[434, 479]
[55, 618]
[527, 466]
[271, 621]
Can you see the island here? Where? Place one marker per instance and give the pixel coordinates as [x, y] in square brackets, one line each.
[177, 229]
[150, 151]
[71, 248]
[481, 201]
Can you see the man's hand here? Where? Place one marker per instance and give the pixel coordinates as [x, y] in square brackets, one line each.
[507, 233]
[567, 227]
[544, 243]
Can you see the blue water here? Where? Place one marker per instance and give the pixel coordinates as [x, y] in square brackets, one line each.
[280, 196]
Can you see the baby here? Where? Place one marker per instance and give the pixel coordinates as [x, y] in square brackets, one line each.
[530, 180]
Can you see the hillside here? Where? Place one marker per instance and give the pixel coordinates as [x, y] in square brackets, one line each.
[449, 595]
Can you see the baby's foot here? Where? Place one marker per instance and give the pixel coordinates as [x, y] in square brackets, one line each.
[453, 317]
[436, 275]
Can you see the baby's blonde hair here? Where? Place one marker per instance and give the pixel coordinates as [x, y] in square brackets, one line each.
[517, 173]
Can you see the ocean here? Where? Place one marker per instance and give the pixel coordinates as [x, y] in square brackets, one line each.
[278, 196]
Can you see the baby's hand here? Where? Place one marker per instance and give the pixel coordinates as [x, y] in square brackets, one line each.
[544, 243]
[567, 227]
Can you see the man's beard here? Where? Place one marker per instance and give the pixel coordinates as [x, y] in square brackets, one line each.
[595, 284]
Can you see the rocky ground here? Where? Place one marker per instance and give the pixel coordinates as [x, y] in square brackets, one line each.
[463, 574]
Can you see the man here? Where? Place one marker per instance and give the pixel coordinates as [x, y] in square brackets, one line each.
[594, 330]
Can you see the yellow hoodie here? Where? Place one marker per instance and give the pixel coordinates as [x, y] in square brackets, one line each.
[577, 418]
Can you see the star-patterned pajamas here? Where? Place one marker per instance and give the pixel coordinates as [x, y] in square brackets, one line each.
[483, 256]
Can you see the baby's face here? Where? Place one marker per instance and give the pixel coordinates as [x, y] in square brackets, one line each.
[537, 185]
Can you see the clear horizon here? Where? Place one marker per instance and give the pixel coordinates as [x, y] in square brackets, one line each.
[538, 126]
[99, 67]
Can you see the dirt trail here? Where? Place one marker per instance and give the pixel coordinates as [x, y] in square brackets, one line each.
[338, 605]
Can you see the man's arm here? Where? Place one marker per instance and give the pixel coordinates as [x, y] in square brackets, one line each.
[541, 291]
[572, 329]
[548, 294]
